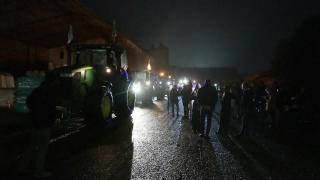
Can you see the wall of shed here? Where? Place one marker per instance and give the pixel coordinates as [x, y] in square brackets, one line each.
[17, 57]
[17, 51]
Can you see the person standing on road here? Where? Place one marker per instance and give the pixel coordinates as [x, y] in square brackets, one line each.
[225, 114]
[195, 119]
[207, 97]
[174, 101]
[42, 105]
[186, 98]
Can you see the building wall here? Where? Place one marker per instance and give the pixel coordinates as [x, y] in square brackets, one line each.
[17, 51]
[17, 57]
[137, 61]
[160, 58]
[58, 56]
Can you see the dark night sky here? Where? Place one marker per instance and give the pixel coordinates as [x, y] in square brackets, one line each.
[209, 33]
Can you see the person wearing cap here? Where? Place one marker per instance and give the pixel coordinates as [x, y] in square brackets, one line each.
[207, 98]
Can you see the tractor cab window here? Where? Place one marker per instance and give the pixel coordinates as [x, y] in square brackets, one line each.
[83, 57]
[124, 61]
[99, 58]
[111, 59]
[91, 57]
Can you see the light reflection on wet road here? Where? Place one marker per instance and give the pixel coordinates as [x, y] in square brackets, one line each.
[154, 146]
[166, 148]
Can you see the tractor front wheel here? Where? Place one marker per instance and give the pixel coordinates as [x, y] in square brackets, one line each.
[99, 106]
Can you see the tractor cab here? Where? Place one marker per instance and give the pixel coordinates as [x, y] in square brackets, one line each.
[108, 61]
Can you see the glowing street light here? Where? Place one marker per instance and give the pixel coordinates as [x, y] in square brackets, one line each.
[169, 77]
[149, 70]
[149, 66]
[162, 74]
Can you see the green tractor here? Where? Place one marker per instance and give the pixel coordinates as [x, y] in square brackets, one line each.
[97, 85]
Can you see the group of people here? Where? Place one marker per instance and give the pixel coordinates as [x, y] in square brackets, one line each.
[201, 101]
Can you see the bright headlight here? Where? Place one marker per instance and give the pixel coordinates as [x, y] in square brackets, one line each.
[136, 87]
[160, 82]
[108, 70]
[148, 83]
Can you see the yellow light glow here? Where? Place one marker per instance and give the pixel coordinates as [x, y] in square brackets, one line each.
[149, 66]
[169, 77]
[162, 74]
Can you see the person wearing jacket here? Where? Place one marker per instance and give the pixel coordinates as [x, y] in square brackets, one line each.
[186, 98]
[42, 109]
[207, 98]
[174, 100]
[195, 115]
[225, 114]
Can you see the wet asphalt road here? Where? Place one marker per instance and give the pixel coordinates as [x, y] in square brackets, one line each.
[151, 145]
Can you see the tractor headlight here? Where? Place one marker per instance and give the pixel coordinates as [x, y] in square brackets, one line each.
[108, 70]
[136, 87]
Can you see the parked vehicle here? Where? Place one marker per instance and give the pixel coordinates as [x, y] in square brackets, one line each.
[97, 84]
[143, 86]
